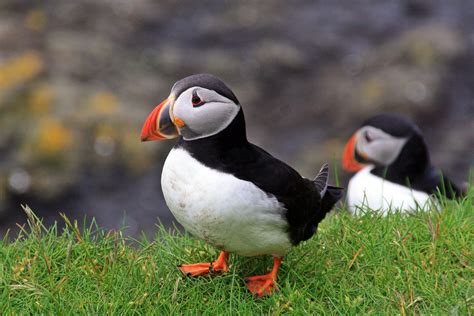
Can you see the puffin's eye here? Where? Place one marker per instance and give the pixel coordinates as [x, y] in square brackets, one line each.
[196, 100]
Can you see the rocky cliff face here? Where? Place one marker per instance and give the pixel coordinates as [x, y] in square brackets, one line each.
[77, 79]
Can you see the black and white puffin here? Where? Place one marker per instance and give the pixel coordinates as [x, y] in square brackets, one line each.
[393, 167]
[227, 191]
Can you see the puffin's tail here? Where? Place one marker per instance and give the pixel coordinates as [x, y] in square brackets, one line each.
[329, 194]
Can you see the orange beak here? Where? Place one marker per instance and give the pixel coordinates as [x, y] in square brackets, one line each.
[159, 125]
[349, 163]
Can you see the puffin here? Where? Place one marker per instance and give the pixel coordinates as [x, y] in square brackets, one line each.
[227, 191]
[393, 168]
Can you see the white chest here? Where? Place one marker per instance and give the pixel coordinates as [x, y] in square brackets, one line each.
[229, 213]
[366, 190]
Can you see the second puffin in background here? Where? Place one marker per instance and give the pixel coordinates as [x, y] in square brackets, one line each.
[394, 172]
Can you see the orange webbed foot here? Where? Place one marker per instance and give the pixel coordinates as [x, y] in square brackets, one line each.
[220, 265]
[195, 269]
[261, 285]
[198, 269]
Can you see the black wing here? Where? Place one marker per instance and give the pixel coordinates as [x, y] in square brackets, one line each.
[299, 196]
[433, 182]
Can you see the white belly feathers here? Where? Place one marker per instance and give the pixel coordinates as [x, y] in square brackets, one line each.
[229, 213]
[366, 190]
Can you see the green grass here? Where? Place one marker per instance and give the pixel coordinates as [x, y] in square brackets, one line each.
[399, 264]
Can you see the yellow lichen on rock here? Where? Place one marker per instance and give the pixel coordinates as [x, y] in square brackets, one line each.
[52, 137]
[35, 20]
[41, 99]
[105, 129]
[104, 103]
[372, 91]
[422, 53]
[20, 69]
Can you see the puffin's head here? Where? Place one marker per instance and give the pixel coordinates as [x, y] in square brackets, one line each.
[198, 106]
[379, 141]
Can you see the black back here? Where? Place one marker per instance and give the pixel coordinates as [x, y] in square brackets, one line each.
[412, 167]
[230, 152]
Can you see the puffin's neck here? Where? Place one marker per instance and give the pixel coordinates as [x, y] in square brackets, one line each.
[232, 136]
[411, 163]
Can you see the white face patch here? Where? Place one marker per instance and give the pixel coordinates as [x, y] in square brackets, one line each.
[379, 146]
[211, 117]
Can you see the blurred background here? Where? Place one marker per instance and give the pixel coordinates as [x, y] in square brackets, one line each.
[78, 78]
